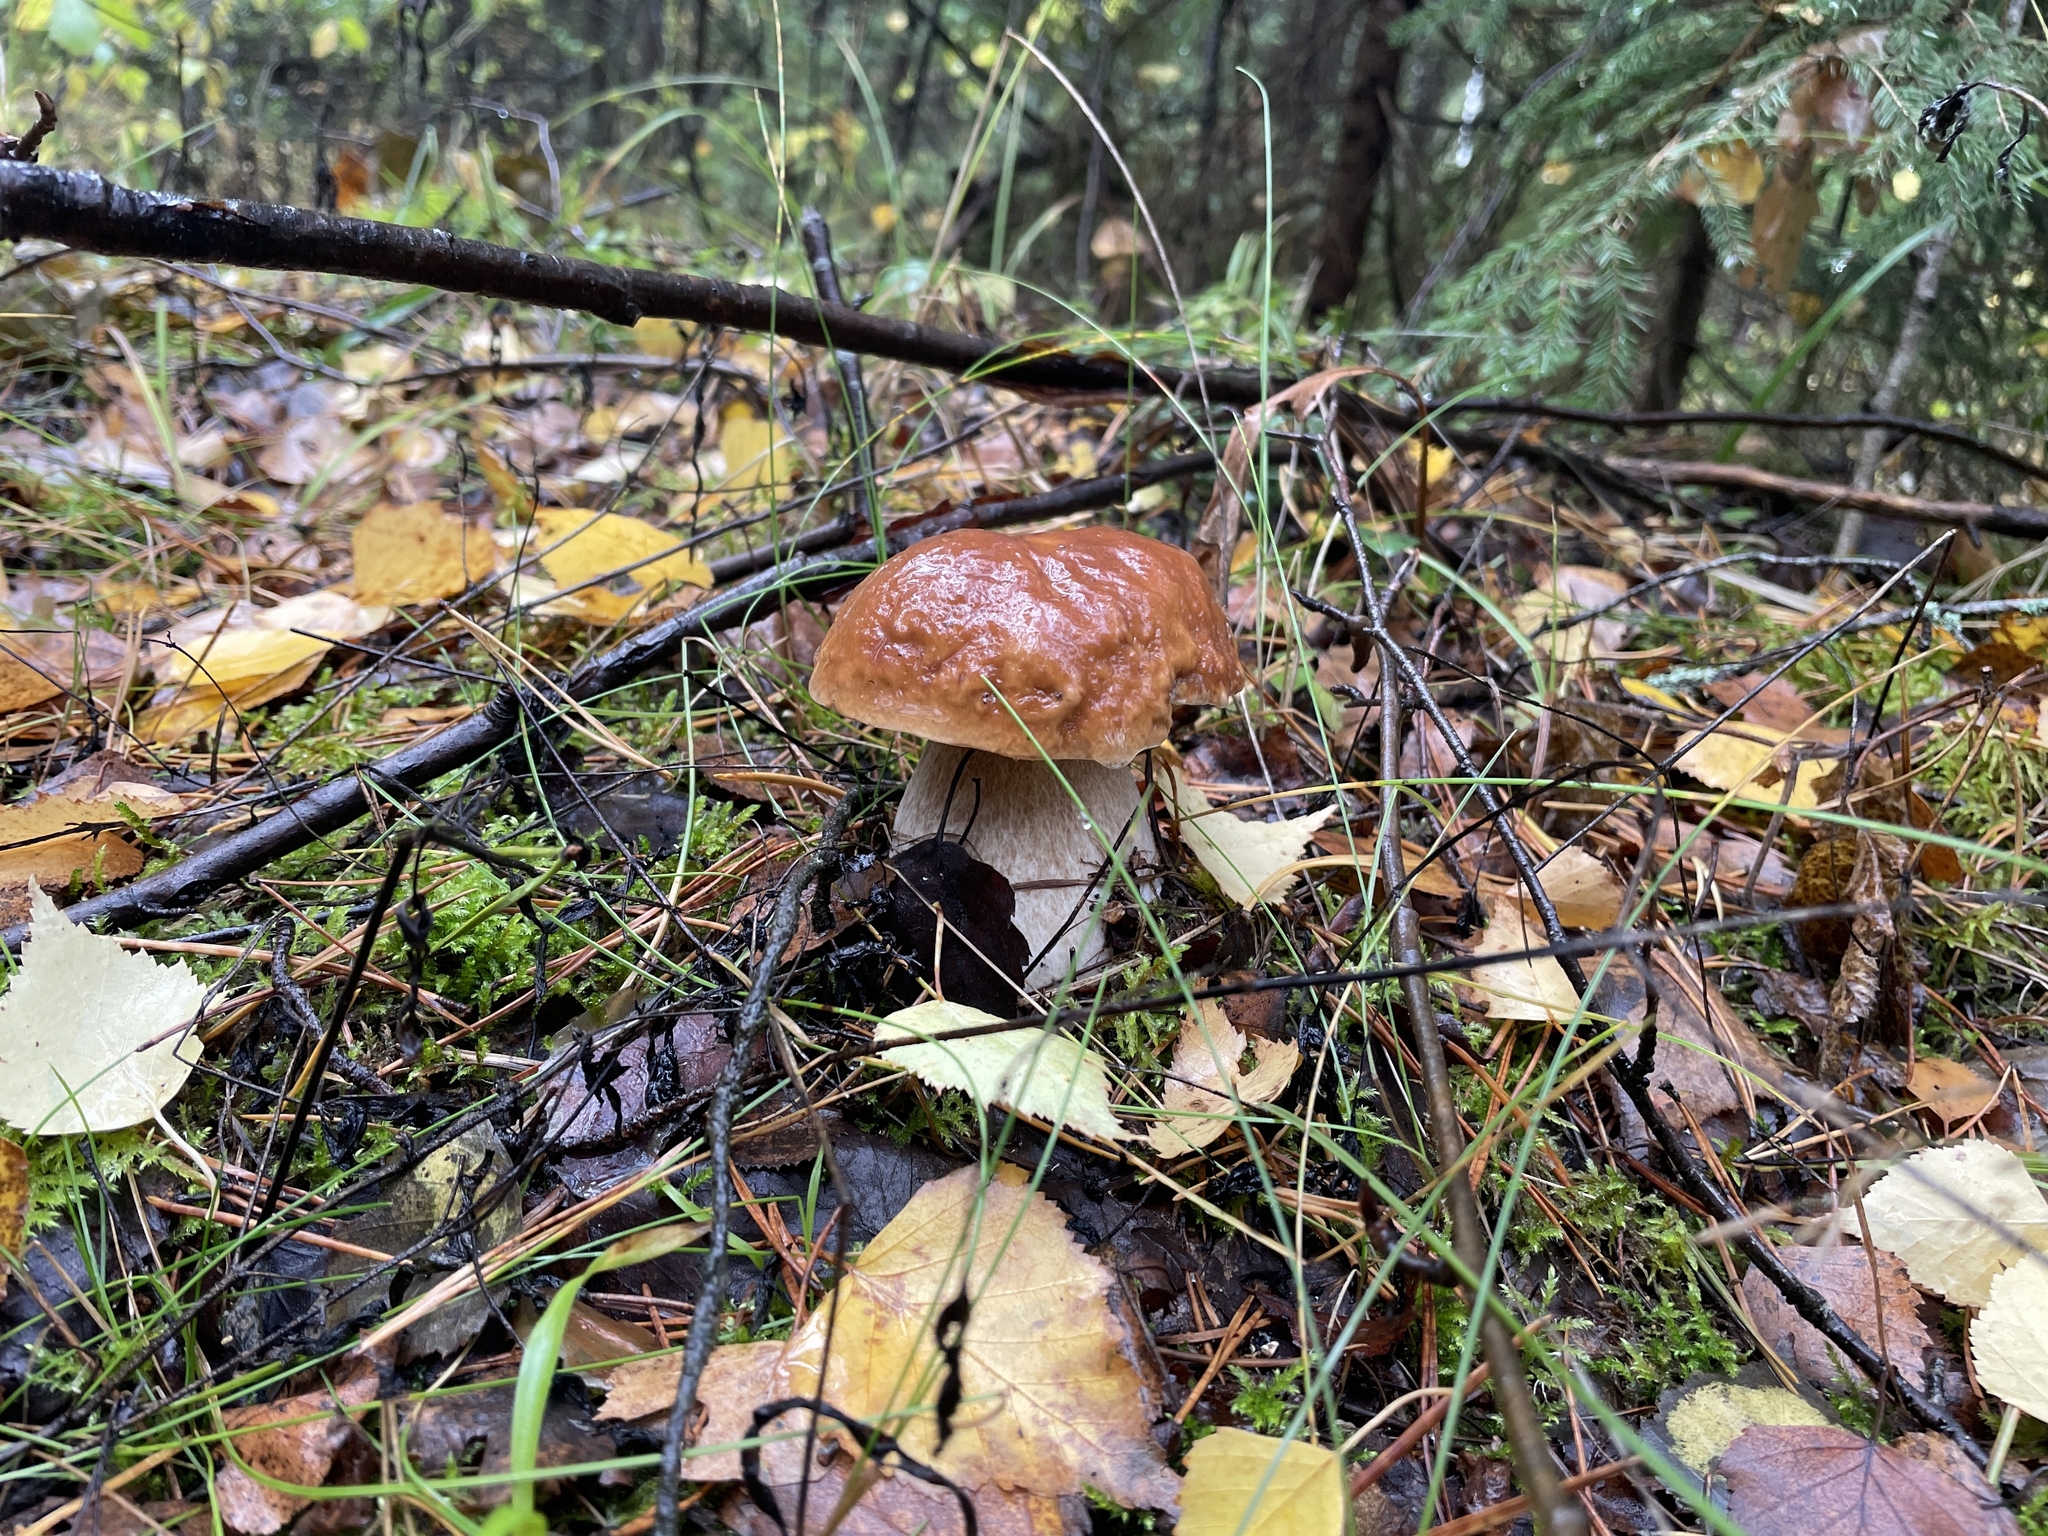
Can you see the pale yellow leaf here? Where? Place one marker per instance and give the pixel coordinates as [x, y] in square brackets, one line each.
[1242, 1484]
[71, 1023]
[614, 563]
[1249, 860]
[512, 493]
[1519, 989]
[1949, 1088]
[1736, 757]
[1052, 1402]
[2009, 1339]
[1205, 1075]
[1585, 892]
[418, 553]
[1937, 1211]
[1559, 594]
[757, 455]
[75, 831]
[1045, 1075]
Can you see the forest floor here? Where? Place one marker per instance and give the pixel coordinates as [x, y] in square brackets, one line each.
[409, 1138]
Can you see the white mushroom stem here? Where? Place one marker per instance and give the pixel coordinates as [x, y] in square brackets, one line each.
[1021, 817]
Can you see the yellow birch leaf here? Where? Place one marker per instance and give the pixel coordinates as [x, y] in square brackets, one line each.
[1942, 1210]
[418, 553]
[1045, 1075]
[1585, 892]
[1519, 989]
[1247, 859]
[1242, 1484]
[635, 560]
[1734, 757]
[76, 831]
[1206, 1074]
[756, 454]
[514, 495]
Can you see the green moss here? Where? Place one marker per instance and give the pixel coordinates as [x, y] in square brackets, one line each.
[1266, 1400]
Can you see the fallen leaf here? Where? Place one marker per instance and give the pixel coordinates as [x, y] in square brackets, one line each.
[1558, 594]
[1583, 890]
[1703, 1050]
[217, 664]
[1879, 860]
[1816, 1480]
[1519, 989]
[635, 560]
[1248, 860]
[1051, 1401]
[2007, 1343]
[1863, 1285]
[446, 1430]
[1036, 1072]
[418, 553]
[73, 1023]
[1708, 1418]
[1773, 703]
[1951, 1089]
[1207, 1075]
[1938, 1209]
[513, 494]
[74, 831]
[14, 1197]
[294, 1440]
[1741, 757]
[1241, 1484]
[1778, 223]
[758, 455]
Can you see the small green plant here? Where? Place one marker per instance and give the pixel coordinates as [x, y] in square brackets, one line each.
[1266, 1400]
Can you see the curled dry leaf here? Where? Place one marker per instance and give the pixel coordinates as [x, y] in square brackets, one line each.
[294, 1440]
[1871, 1292]
[73, 1024]
[1038, 1073]
[418, 553]
[1816, 1480]
[1246, 859]
[1054, 1401]
[1208, 1072]
[1519, 989]
[625, 561]
[2009, 1339]
[1879, 859]
[1241, 1484]
[1946, 1213]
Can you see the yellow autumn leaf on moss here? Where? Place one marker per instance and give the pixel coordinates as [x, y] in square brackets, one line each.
[606, 565]
[418, 553]
[1242, 1484]
[1208, 1072]
[1037, 1072]
[1248, 860]
[1051, 1402]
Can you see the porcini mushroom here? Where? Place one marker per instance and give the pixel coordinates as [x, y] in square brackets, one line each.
[1036, 666]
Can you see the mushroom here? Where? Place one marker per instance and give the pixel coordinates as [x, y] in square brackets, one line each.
[1036, 667]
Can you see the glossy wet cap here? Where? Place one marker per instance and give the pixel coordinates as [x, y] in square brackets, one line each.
[1091, 635]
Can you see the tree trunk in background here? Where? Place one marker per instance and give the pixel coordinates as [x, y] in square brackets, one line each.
[1675, 334]
[1362, 146]
[1905, 357]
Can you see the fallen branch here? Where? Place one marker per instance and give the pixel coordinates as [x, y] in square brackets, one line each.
[333, 805]
[1985, 517]
[88, 213]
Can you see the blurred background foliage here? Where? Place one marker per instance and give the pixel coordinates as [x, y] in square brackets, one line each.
[1660, 202]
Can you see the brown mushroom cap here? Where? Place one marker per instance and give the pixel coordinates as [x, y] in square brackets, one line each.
[1091, 635]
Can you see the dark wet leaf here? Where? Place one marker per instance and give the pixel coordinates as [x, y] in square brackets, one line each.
[1815, 1480]
[984, 957]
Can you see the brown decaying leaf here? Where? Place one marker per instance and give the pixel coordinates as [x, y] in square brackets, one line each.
[1778, 224]
[1951, 1089]
[447, 1429]
[294, 1441]
[1879, 859]
[1055, 1403]
[1703, 1049]
[1862, 1285]
[1816, 1480]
